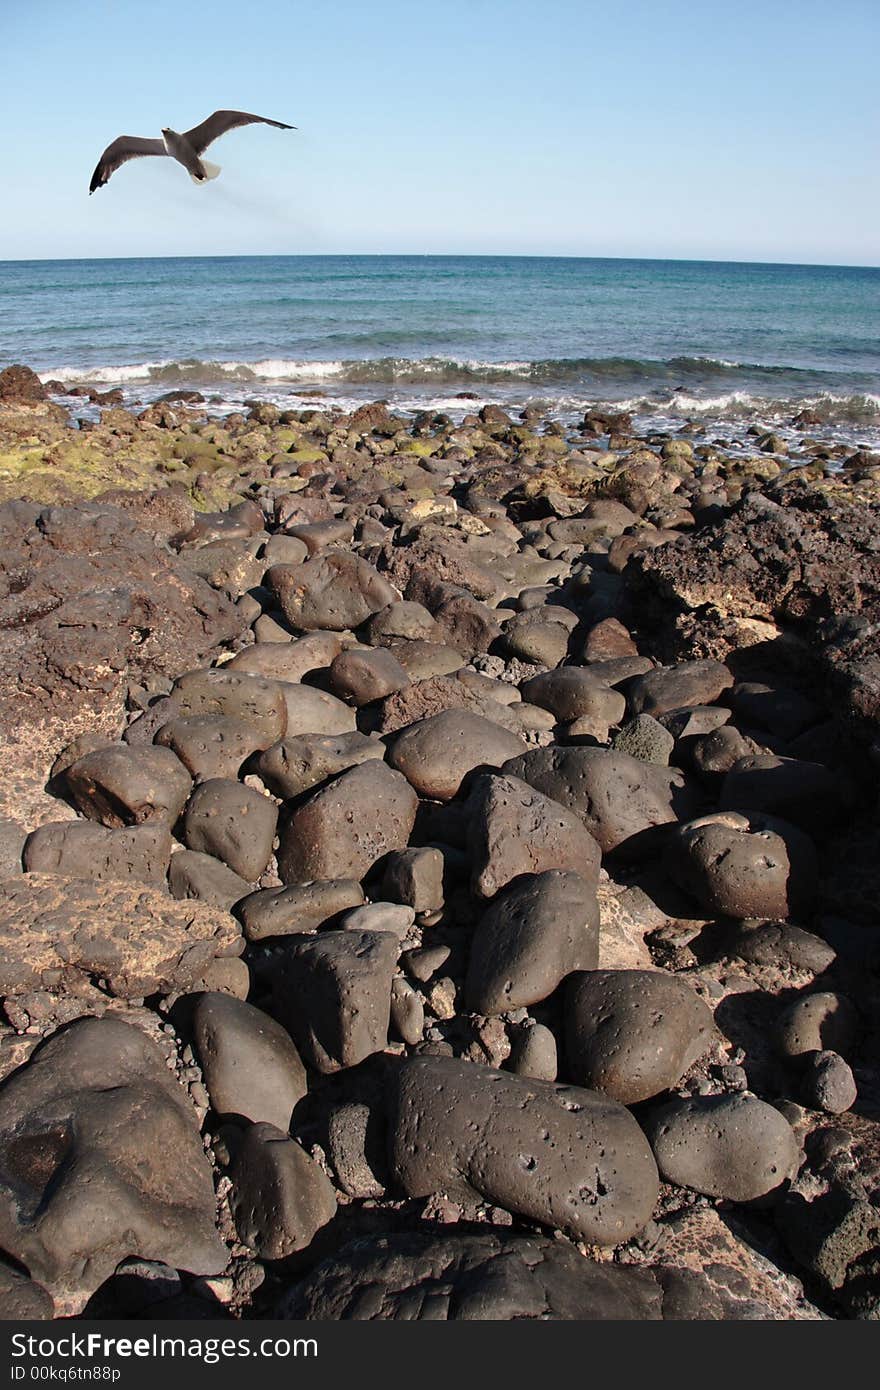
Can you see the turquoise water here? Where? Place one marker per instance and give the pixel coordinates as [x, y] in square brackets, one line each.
[733, 342]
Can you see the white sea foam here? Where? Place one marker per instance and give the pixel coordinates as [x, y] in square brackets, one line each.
[140, 371]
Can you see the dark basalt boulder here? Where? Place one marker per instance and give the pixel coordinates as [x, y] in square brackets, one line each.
[617, 797]
[100, 1159]
[498, 1278]
[633, 1033]
[563, 1156]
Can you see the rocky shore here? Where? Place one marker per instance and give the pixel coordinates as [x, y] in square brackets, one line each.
[441, 866]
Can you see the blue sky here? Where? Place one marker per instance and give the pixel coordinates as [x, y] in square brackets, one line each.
[744, 131]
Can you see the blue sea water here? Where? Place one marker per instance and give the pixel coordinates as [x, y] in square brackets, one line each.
[722, 342]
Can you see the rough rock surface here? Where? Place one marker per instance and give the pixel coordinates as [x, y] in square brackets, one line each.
[57, 933]
[347, 826]
[89, 601]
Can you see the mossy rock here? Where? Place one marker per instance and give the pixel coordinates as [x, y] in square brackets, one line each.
[422, 448]
[307, 454]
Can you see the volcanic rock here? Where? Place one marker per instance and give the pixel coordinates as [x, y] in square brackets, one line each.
[251, 1067]
[100, 1159]
[347, 826]
[565, 1157]
[633, 1033]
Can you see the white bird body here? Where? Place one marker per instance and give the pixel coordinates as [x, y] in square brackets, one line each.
[187, 148]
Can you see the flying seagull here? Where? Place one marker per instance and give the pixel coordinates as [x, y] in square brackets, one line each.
[187, 149]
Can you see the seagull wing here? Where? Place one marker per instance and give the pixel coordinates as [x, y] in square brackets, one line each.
[201, 136]
[125, 148]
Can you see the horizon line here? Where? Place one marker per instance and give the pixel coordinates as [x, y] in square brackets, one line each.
[435, 255]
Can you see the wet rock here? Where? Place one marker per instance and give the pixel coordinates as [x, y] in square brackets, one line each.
[80, 849]
[202, 878]
[232, 822]
[436, 754]
[280, 1197]
[297, 910]
[333, 994]
[744, 865]
[234, 695]
[572, 692]
[61, 932]
[565, 1157]
[347, 826]
[499, 1278]
[539, 930]
[363, 676]
[295, 765]
[734, 1146]
[616, 796]
[816, 1023]
[336, 590]
[677, 687]
[633, 1033]
[251, 1067]
[828, 1083]
[515, 830]
[101, 1158]
[211, 745]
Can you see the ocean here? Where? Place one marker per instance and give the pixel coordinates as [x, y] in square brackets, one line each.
[725, 344]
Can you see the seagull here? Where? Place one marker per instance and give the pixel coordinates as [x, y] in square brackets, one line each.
[187, 149]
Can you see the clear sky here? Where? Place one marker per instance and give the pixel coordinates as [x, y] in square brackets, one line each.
[731, 131]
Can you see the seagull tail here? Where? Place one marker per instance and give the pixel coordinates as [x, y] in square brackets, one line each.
[211, 171]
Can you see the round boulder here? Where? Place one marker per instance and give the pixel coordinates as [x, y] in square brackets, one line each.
[633, 1033]
[733, 1146]
[436, 754]
[743, 865]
